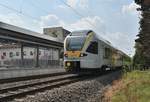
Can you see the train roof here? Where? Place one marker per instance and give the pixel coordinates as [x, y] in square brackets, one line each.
[80, 32]
[85, 32]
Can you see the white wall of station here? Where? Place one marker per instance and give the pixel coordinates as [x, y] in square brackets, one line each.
[7, 54]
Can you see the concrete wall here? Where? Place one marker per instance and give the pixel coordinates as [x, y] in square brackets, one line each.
[47, 57]
[12, 73]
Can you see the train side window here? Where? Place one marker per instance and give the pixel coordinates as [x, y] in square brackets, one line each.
[93, 48]
[107, 53]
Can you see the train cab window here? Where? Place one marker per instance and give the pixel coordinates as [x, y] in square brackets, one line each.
[75, 43]
[93, 48]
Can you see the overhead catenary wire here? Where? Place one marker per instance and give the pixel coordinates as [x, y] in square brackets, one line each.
[19, 12]
[35, 18]
[75, 11]
[27, 15]
[21, 5]
[80, 15]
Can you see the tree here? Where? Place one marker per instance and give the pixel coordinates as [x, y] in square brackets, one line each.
[142, 55]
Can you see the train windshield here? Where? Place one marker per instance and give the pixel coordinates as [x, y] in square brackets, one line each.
[75, 43]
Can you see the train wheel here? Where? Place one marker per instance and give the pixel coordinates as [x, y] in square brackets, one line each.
[103, 69]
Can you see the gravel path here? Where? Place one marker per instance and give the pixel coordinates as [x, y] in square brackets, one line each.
[83, 91]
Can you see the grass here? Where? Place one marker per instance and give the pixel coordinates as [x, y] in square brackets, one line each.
[133, 87]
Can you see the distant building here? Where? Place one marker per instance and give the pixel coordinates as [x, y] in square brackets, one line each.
[57, 32]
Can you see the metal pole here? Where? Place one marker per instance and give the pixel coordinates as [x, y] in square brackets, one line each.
[37, 56]
[22, 56]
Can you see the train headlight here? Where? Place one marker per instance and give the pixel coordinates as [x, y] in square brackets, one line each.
[68, 64]
[83, 54]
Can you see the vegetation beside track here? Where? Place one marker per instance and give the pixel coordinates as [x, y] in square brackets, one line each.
[132, 87]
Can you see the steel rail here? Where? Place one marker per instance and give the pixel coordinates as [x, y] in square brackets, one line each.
[22, 90]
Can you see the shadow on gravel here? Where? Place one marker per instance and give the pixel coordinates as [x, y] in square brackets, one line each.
[110, 77]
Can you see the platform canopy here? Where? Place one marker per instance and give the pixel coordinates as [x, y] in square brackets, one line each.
[19, 35]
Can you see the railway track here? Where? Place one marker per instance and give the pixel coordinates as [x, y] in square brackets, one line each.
[21, 89]
[16, 90]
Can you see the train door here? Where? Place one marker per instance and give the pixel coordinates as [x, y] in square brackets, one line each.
[91, 60]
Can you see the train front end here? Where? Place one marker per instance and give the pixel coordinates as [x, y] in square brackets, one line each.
[77, 55]
[73, 52]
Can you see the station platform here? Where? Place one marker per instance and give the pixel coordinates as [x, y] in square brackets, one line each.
[22, 72]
